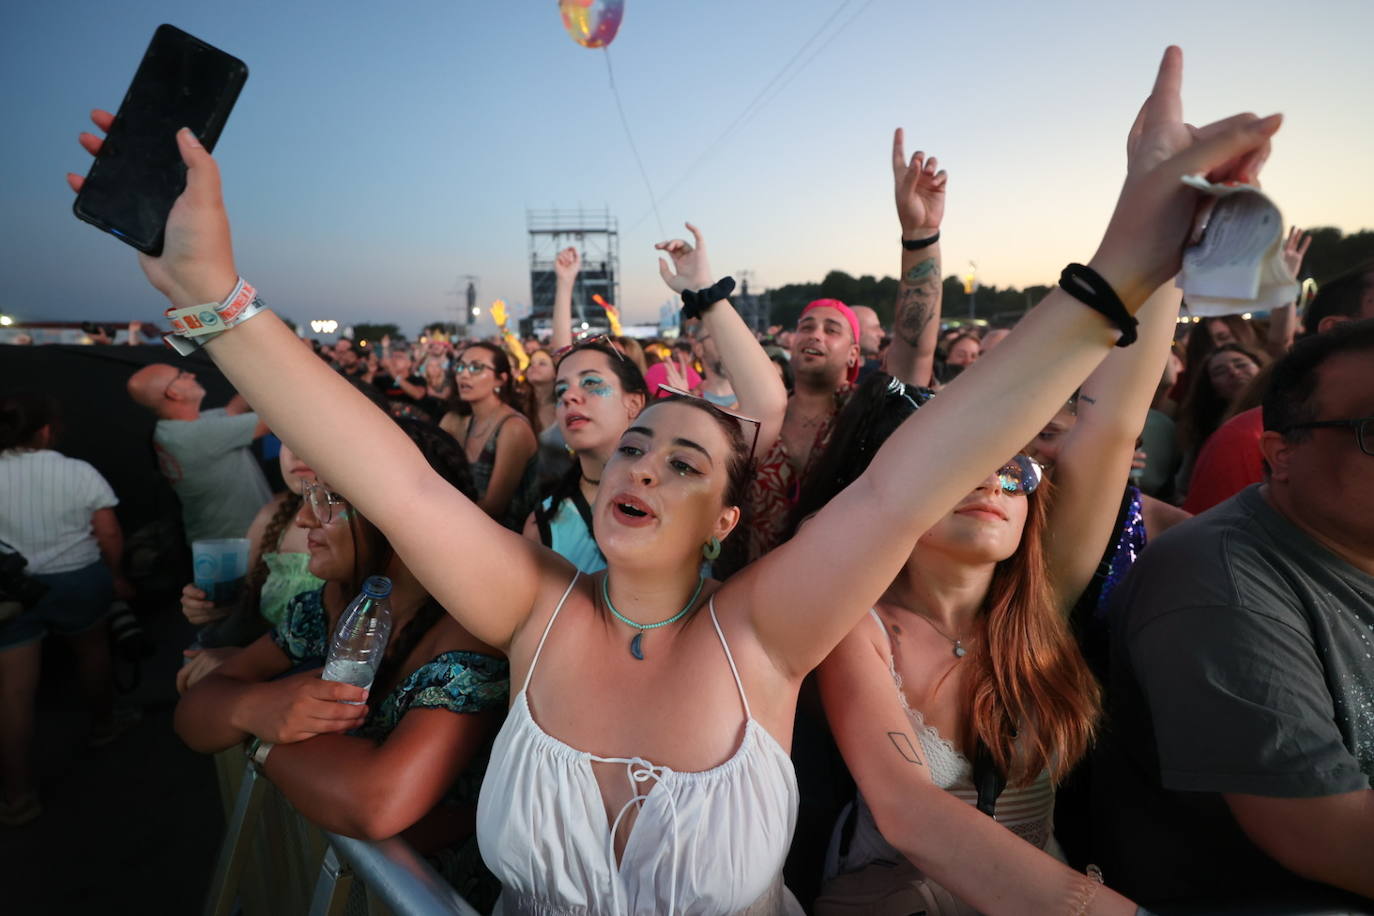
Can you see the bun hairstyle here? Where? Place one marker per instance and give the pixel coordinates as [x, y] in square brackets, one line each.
[1031, 698]
[23, 414]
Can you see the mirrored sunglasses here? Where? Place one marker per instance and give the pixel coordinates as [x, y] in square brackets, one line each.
[1021, 475]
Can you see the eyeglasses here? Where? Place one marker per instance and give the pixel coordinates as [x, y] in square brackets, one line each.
[322, 502]
[605, 340]
[179, 376]
[678, 392]
[1363, 426]
[472, 368]
[1021, 475]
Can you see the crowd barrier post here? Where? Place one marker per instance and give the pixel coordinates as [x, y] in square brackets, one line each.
[269, 853]
[233, 852]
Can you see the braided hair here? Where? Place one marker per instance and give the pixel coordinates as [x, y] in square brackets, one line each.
[270, 543]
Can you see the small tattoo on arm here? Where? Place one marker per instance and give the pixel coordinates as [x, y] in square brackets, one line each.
[904, 747]
[1084, 399]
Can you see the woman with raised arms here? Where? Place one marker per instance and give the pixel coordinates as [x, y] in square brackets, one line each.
[598, 392]
[643, 766]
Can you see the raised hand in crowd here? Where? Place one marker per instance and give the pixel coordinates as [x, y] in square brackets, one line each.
[745, 363]
[566, 265]
[1283, 321]
[919, 189]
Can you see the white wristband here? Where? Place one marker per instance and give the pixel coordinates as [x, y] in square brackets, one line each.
[194, 325]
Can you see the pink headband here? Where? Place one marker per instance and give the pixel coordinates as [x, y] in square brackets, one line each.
[849, 315]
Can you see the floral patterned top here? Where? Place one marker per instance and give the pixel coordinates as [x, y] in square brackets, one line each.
[776, 485]
[461, 682]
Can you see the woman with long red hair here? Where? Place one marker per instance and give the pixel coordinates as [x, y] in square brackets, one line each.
[965, 681]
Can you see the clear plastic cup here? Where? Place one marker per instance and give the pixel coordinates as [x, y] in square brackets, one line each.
[221, 565]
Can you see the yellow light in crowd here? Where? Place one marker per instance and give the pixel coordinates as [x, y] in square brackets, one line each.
[1247, 316]
[6, 321]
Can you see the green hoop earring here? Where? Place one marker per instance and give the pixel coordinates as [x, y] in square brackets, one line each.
[711, 549]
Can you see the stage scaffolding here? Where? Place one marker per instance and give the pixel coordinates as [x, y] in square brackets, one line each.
[595, 234]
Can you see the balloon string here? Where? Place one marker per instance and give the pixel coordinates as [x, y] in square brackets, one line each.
[624, 122]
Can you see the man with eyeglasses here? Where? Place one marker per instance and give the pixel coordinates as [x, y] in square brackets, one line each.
[1241, 710]
[204, 454]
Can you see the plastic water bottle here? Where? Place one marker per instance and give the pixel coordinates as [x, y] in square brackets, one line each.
[355, 652]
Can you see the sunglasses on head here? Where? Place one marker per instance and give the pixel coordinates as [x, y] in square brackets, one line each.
[603, 339]
[739, 417]
[1021, 475]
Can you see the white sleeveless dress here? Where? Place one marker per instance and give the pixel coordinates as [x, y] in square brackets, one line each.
[708, 842]
[1027, 811]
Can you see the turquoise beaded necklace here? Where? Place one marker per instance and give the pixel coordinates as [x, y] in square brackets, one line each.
[637, 644]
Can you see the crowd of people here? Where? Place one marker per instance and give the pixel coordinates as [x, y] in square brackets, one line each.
[841, 618]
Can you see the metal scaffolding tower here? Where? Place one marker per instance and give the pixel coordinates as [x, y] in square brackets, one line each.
[595, 235]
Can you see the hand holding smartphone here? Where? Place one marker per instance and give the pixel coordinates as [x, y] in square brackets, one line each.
[138, 172]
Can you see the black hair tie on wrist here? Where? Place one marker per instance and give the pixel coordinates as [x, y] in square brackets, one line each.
[918, 244]
[696, 302]
[1087, 286]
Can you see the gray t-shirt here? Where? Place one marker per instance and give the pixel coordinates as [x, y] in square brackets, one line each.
[209, 465]
[1241, 662]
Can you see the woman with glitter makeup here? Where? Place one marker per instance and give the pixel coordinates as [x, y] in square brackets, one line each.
[688, 687]
[598, 392]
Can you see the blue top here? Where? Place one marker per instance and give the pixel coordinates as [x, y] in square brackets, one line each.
[457, 681]
[571, 539]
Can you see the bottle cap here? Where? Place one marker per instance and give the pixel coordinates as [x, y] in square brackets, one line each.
[377, 587]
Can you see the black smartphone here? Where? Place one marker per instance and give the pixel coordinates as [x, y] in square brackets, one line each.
[138, 175]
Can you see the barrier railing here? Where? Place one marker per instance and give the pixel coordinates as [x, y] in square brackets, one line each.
[269, 852]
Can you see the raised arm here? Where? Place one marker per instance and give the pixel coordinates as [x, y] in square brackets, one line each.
[920, 191]
[1283, 321]
[805, 596]
[964, 850]
[752, 374]
[565, 268]
[1095, 459]
[333, 427]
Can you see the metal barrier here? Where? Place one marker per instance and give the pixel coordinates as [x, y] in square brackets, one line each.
[266, 839]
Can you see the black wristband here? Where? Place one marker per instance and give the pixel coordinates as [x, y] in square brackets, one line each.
[1087, 286]
[697, 302]
[918, 244]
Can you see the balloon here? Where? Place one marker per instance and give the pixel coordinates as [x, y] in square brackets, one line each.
[592, 23]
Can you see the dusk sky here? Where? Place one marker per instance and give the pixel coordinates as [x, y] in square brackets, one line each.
[381, 150]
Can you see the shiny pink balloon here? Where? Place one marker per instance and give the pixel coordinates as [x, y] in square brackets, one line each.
[592, 23]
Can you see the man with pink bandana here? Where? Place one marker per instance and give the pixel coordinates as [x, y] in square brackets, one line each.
[826, 357]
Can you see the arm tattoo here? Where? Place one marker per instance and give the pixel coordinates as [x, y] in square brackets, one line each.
[904, 747]
[1084, 399]
[918, 300]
